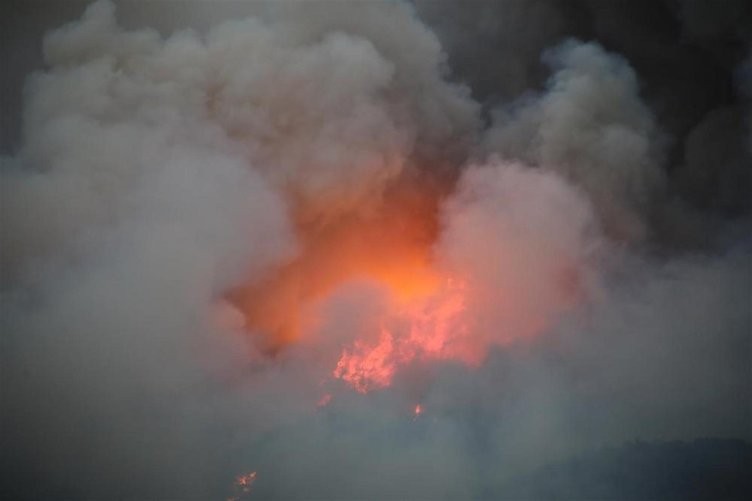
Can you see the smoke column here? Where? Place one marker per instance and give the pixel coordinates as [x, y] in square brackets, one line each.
[429, 249]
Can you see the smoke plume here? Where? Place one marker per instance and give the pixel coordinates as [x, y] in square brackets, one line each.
[376, 249]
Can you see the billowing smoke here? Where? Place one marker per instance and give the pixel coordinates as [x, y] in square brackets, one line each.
[377, 250]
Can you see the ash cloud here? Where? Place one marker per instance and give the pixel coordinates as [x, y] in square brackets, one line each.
[594, 170]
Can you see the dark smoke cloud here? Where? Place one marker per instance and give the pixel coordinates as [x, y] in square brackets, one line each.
[152, 154]
[687, 55]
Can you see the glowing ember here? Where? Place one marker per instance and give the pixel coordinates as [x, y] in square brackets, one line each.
[324, 400]
[245, 481]
[429, 327]
[418, 410]
[243, 485]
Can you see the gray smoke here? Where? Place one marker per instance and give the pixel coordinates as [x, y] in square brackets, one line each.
[596, 162]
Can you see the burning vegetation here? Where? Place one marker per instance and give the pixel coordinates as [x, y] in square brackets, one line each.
[384, 250]
[390, 246]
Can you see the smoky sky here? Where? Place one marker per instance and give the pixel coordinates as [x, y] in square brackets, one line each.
[590, 168]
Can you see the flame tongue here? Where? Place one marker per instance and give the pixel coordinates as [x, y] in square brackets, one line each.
[391, 247]
[367, 367]
[429, 327]
[242, 486]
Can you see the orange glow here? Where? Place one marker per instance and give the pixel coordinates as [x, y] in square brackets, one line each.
[242, 485]
[428, 312]
[418, 410]
[366, 367]
[245, 481]
[390, 245]
[432, 326]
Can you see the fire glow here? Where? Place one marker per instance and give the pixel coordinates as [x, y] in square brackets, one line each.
[429, 327]
[418, 410]
[391, 247]
[430, 307]
[242, 485]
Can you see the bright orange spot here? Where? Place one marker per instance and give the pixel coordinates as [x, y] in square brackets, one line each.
[245, 481]
[418, 410]
[389, 244]
[428, 313]
[367, 367]
[431, 327]
[243, 485]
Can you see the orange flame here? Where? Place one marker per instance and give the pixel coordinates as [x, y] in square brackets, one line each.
[245, 481]
[429, 327]
[428, 313]
[243, 485]
[390, 244]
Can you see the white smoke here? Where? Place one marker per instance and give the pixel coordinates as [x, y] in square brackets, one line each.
[529, 243]
[592, 127]
[158, 171]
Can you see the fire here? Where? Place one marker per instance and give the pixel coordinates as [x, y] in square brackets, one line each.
[390, 246]
[418, 410]
[432, 326]
[242, 485]
[432, 310]
[367, 367]
[245, 481]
